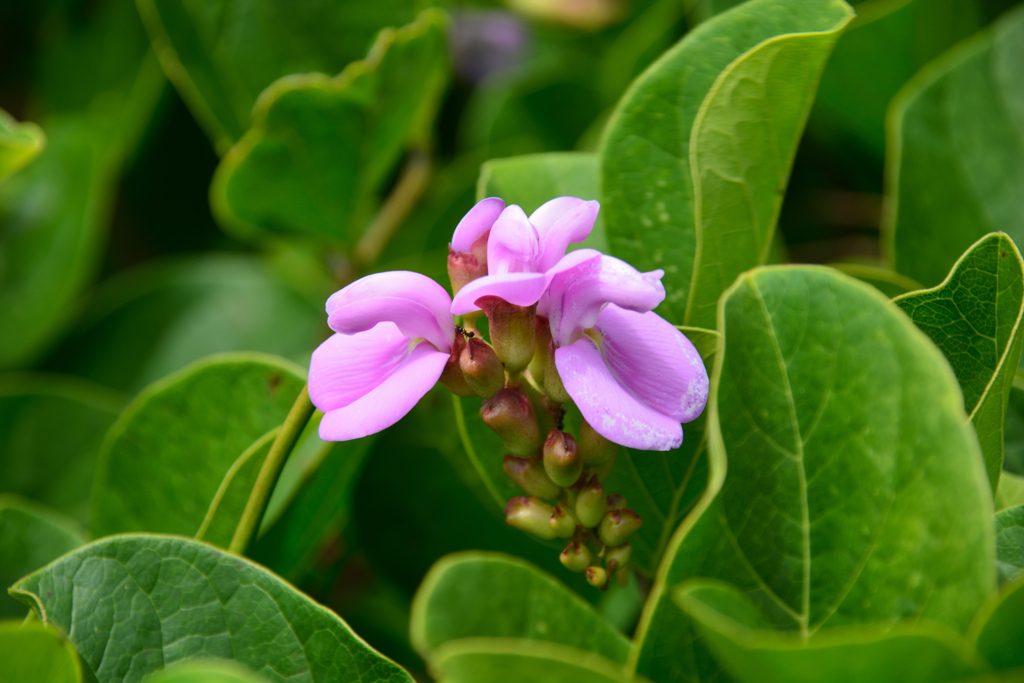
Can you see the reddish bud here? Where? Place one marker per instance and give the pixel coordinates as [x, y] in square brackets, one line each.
[561, 459]
[597, 577]
[510, 415]
[563, 525]
[452, 376]
[576, 557]
[481, 368]
[529, 475]
[530, 515]
[617, 526]
[616, 502]
[464, 267]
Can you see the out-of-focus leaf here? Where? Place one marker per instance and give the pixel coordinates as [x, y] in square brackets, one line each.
[497, 660]
[999, 627]
[20, 143]
[1013, 430]
[1010, 543]
[888, 282]
[818, 529]
[208, 671]
[746, 646]
[143, 602]
[956, 164]
[36, 653]
[320, 148]
[31, 536]
[164, 459]
[974, 317]
[532, 179]
[696, 158]
[221, 55]
[1010, 492]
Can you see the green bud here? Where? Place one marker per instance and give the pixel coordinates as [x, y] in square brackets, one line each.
[617, 526]
[464, 267]
[576, 557]
[618, 557]
[530, 515]
[529, 475]
[481, 368]
[510, 415]
[597, 577]
[604, 470]
[512, 331]
[561, 459]
[451, 376]
[553, 386]
[543, 350]
[562, 524]
[591, 504]
[594, 448]
[616, 502]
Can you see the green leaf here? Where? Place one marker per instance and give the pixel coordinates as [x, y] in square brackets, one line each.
[956, 158]
[164, 459]
[31, 535]
[496, 596]
[974, 317]
[1010, 544]
[888, 282]
[20, 143]
[696, 157]
[36, 653]
[998, 629]
[820, 529]
[1010, 492]
[320, 148]
[221, 55]
[532, 179]
[136, 603]
[746, 646]
[206, 671]
[497, 660]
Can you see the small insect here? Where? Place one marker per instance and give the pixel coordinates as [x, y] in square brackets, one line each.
[464, 332]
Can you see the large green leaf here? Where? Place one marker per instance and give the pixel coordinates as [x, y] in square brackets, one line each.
[164, 459]
[208, 671]
[31, 536]
[135, 603]
[1010, 543]
[36, 653]
[696, 157]
[221, 55]
[999, 628]
[1010, 492]
[320, 148]
[498, 660]
[974, 317]
[20, 143]
[843, 426]
[956, 162]
[747, 647]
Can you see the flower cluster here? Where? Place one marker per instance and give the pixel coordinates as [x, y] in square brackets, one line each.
[576, 327]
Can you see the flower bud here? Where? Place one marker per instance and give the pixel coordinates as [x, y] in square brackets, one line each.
[597, 577]
[530, 515]
[510, 415]
[464, 267]
[617, 526]
[543, 352]
[561, 460]
[591, 504]
[616, 502]
[618, 557]
[529, 475]
[481, 368]
[576, 557]
[452, 376]
[553, 386]
[594, 448]
[563, 525]
[512, 331]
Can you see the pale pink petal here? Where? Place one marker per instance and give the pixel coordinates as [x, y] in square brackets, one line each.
[347, 366]
[611, 410]
[401, 284]
[389, 401]
[577, 294]
[475, 223]
[521, 289]
[560, 222]
[654, 361]
[514, 243]
[413, 319]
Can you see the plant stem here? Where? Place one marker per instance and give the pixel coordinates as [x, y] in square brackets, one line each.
[282, 447]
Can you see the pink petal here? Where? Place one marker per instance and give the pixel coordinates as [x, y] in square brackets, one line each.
[521, 289]
[400, 284]
[654, 361]
[578, 293]
[514, 243]
[413, 319]
[389, 401]
[559, 222]
[608, 407]
[475, 223]
[347, 366]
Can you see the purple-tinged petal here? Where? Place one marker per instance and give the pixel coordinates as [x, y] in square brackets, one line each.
[402, 284]
[514, 243]
[413, 319]
[560, 222]
[577, 294]
[521, 289]
[608, 407]
[654, 361]
[347, 366]
[477, 222]
[389, 401]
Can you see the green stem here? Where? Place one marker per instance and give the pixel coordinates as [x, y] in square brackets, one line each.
[282, 447]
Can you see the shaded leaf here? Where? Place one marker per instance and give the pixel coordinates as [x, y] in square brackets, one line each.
[20, 143]
[1010, 544]
[36, 653]
[999, 627]
[1013, 431]
[1010, 492]
[496, 660]
[209, 671]
[888, 282]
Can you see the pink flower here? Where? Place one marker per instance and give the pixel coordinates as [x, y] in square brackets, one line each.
[632, 374]
[394, 336]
